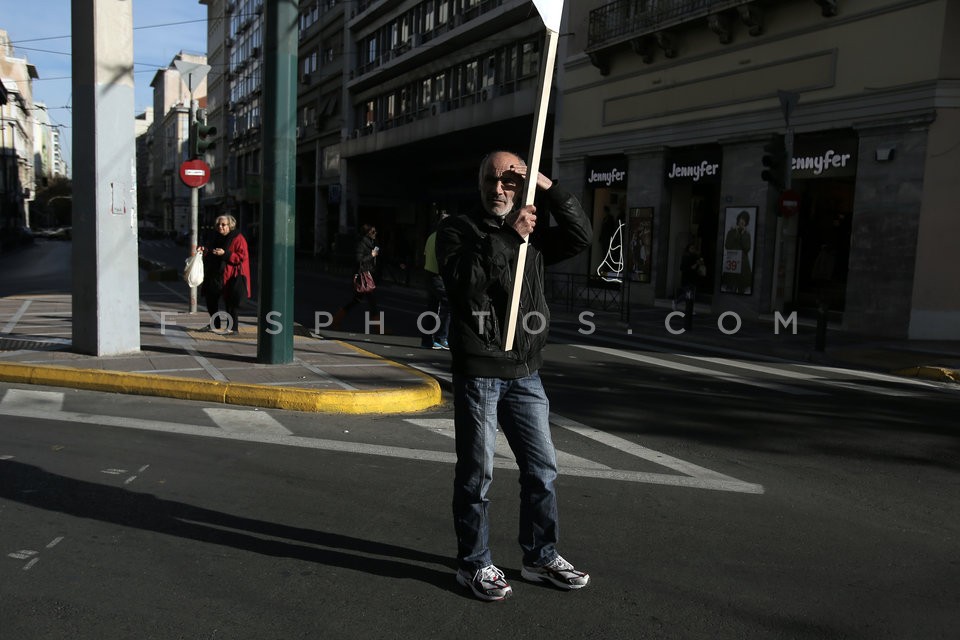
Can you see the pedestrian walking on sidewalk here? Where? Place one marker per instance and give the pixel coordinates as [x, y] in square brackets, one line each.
[477, 253]
[226, 268]
[436, 294]
[366, 256]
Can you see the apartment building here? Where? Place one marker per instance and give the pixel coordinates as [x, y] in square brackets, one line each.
[166, 204]
[17, 177]
[397, 103]
[668, 106]
[319, 124]
[431, 87]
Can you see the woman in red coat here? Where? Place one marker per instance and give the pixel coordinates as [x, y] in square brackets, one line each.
[227, 259]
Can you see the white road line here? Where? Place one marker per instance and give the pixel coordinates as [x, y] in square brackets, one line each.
[699, 370]
[54, 542]
[870, 375]
[433, 371]
[820, 379]
[30, 564]
[753, 366]
[28, 399]
[616, 442]
[15, 318]
[368, 449]
[326, 376]
[243, 421]
[444, 426]
[181, 341]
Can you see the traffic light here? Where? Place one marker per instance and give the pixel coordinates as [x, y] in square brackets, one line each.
[775, 160]
[202, 135]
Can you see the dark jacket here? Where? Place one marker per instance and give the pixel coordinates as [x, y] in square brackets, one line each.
[478, 256]
[364, 254]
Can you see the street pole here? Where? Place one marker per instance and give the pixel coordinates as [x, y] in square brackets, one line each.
[275, 308]
[194, 206]
[193, 74]
[788, 101]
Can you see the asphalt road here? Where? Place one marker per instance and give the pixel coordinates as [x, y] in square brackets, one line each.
[709, 497]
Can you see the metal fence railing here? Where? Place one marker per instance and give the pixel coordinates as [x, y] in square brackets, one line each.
[576, 291]
[633, 18]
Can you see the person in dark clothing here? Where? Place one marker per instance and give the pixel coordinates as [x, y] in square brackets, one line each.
[366, 253]
[692, 268]
[226, 258]
[437, 302]
[477, 255]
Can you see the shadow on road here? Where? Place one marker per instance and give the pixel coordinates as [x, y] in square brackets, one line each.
[33, 486]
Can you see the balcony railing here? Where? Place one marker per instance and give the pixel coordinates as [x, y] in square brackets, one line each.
[626, 19]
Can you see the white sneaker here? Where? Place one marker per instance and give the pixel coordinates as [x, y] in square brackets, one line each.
[559, 572]
[487, 583]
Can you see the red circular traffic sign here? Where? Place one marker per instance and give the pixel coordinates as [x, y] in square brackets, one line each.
[194, 173]
[789, 203]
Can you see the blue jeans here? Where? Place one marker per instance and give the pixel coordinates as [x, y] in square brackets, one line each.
[522, 408]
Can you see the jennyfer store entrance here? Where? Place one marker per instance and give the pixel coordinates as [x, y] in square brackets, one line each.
[824, 176]
[823, 243]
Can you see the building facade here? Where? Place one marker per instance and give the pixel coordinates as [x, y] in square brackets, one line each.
[166, 203]
[431, 87]
[17, 153]
[668, 108]
[320, 124]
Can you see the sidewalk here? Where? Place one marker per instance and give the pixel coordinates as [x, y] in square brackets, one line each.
[179, 359]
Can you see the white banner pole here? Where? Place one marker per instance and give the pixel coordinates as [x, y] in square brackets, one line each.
[533, 170]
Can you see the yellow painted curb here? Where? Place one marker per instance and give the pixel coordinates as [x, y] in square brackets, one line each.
[941, 374]
[375, 401]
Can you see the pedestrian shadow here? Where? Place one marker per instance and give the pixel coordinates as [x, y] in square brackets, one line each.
[36, 487]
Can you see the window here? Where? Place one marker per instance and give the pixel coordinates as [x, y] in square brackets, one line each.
[510, 63]
[369, 114]
[490, 72]
[470, 79]
[391, 107]
[426, 92]
[428, 16]
[530, 59]
[394, 30]
[372, 49]
[440, 87]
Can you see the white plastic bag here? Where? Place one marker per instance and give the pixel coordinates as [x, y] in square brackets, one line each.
[193, 270]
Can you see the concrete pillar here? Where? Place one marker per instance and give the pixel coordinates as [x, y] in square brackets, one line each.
[106, 316]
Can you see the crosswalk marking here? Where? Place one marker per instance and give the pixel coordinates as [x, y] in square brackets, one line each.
[616, 442]
[820, 375]
[694, 477]
[444, 426]
[259, 430]
[244, 421]
[29, 399]
[15, 318]
[698, 369]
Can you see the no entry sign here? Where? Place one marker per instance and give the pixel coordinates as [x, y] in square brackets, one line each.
[194, 173]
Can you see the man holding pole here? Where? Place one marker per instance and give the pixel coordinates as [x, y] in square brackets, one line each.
[478, 253]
